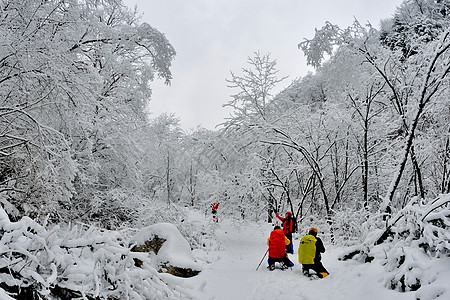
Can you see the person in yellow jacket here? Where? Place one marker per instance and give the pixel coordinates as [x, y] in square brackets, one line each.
[309, 254]
[277, 249]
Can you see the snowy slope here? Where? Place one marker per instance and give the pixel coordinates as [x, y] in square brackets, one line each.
[231, 272]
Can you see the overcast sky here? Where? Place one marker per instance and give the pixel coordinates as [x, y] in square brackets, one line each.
[214, 37]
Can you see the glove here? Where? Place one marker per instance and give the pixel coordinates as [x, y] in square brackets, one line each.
[275, 211]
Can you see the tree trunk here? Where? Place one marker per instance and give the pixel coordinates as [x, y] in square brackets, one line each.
[418, 173]
[168, 178]
[192, 184]
[445, 185]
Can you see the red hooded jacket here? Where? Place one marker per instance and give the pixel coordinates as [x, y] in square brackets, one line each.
[277, 243]
[288, 223]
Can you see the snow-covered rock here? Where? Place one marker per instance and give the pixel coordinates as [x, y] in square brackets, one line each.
[169, 250]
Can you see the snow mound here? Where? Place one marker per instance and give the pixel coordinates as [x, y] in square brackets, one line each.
[175, 250]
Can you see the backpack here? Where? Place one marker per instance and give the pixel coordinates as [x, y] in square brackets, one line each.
[307, 250]
[295, 227]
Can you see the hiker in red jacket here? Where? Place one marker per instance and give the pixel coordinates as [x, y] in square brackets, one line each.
[214, 208]
[277, 249]
[288, 228]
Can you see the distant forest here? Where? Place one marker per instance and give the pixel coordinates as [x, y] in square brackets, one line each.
[366, 132]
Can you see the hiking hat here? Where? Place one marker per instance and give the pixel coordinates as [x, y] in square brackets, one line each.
[289, 213]
[313, 229]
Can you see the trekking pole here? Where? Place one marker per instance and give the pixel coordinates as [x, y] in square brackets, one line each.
[271, 204]
[262, 259]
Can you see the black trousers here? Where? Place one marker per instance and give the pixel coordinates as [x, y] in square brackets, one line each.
[318, 267]
[284, 260]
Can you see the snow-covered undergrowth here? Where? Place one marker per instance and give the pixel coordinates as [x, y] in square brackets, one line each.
[84, 263]
[410, 259]
[414, 248]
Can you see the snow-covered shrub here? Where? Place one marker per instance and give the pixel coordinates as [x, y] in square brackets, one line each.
[436, 227]
[413, 246]
[418, 235]
[82, 263]
[347, 227]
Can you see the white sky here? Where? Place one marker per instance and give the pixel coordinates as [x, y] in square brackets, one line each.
[213, 38]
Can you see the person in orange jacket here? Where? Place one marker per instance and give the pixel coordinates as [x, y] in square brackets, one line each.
[288, 228]
[277, 249]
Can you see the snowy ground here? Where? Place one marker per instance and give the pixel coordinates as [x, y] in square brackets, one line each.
[230, 272]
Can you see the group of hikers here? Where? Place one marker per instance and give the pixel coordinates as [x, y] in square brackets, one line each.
[280, 244]
[309, 250]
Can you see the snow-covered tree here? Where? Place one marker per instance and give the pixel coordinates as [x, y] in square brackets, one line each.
[414, 84]
[254, 90]
[74, 87]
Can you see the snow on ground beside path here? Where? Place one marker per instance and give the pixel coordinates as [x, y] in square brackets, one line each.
[231, 272]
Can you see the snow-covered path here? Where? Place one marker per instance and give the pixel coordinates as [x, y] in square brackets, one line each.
[231, 272]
